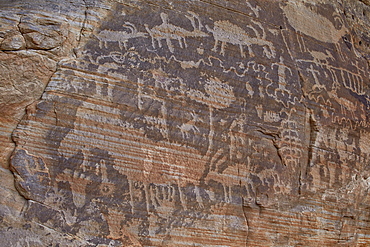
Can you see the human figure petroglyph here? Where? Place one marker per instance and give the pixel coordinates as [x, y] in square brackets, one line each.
[282, 74]
[315, 73]
[226, 32]
[351, 79]
[282, 68]
[122, 37]
[148, 163]
[249, 89]
[237, 137]
[168, 32]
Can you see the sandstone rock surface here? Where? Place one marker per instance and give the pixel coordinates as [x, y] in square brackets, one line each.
[185, 123]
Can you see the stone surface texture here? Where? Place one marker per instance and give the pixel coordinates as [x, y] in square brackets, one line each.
[184, 123]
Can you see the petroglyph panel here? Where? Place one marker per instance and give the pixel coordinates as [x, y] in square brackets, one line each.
[213, 123]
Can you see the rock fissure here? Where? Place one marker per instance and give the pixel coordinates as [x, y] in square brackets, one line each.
[314, 131]
[83, 26]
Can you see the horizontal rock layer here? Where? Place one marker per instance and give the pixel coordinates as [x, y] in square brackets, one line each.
[190, 123]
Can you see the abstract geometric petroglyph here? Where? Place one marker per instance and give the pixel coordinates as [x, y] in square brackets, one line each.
[185, 123]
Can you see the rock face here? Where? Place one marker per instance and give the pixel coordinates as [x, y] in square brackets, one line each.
[185, 123]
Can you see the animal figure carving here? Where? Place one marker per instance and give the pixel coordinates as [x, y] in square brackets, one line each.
[346, 106]
[189, 126]
[168, 32]
[226, 32]
[121, 37]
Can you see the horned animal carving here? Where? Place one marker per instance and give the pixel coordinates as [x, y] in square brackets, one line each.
[226, 32]
[347, 107]
[168, 32]
[121, 37]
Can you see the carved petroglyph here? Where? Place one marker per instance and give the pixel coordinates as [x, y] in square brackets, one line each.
[332, 27]
[167, 31]
[238, 140]
[249, 89]
[129, 59]
[163, 81]
[168, 143]
[255, 10]
[271, 117]
[122, 37]
[227, 32]
[148, 163]
[351, 77]
[259, 110]
[279, 88]
[302, 19]
[220, 95]
[282, 83]
[347, 107]
[322, 57]
[315, 73]
[118, 231]
[289, 144]
[158, 121]
[364, 143]
[81, 176]
[353, 82]
[190, 126]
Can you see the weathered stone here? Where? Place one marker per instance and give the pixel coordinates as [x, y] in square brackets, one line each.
[12, 41]
[187, 123]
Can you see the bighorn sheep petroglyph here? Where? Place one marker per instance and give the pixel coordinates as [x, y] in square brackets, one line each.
[168, 32]
[121, 37]
[226, 32]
